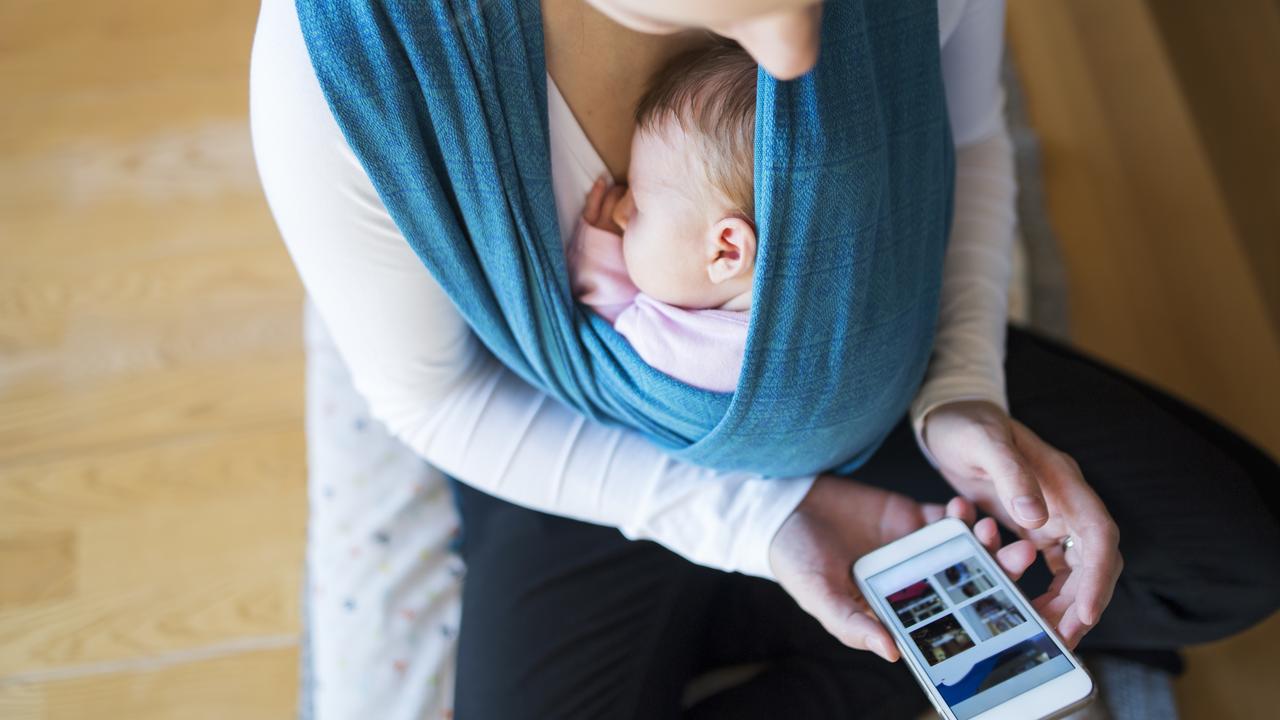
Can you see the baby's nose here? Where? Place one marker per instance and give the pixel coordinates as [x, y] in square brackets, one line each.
[622, 210]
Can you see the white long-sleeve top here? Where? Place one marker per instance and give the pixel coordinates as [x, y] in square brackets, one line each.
[430, 380]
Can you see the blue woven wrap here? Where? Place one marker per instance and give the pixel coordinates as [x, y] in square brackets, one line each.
[444, 104]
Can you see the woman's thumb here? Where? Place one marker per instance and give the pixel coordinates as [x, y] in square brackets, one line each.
[848, 621]
[1016, 485]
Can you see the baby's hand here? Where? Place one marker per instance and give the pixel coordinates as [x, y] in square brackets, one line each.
[600, 203]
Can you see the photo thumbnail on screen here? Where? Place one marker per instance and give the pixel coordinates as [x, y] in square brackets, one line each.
[915, 603]
[1002, 667]
[941, 639]
[989, 616]
[964, 580]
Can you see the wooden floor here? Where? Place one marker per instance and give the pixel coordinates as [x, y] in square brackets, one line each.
[1171, 260]
[151, 446]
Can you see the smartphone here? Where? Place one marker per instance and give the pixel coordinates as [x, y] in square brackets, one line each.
[974, 643]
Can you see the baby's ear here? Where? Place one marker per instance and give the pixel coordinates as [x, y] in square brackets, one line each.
[732, 249]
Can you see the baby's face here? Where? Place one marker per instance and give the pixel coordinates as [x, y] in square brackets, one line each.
[670, 222]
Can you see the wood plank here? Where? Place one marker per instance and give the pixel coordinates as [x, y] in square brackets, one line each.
[245, 686]
[115, 69]
[152, 492]
[1234, 679]
[1228, 76]
[161, 406]
[144, 295]
[175, 547]
[1159, 282]
[36, 566]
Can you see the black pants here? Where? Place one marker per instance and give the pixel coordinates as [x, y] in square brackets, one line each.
[564, 619]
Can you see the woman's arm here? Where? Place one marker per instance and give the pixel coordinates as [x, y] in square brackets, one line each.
[968, 354]
[429, 379]
[961, 413]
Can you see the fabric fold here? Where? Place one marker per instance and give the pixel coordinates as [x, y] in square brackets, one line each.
[444, 104]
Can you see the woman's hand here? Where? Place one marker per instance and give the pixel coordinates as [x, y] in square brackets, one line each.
[840, 520]
[601, 202]
[1038, 492]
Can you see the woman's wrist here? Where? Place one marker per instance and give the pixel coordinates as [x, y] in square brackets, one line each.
[981, 413]
[859, 515]
[927, 405]
[776, 500]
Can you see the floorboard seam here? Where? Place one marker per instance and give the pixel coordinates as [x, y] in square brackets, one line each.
[155, 442]
[155, 662]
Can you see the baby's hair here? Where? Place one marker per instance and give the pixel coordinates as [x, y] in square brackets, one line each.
[710, 92]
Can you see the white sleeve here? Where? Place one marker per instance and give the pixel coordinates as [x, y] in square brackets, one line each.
[426, 376]
[968, 354]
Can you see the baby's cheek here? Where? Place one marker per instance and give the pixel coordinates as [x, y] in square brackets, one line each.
[638, 256]
[639, 259]
[662, 275]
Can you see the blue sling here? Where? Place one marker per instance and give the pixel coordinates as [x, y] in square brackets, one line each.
[444, 104]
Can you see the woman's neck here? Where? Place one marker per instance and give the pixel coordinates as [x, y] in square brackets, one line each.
[601, 69]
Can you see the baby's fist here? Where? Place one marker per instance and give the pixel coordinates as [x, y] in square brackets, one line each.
[601, 202]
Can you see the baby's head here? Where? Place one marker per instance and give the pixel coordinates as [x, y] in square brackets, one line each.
[688, 216]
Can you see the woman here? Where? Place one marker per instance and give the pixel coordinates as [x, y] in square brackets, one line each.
[567, 618]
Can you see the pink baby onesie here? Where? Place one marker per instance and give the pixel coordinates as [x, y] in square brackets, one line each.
[702, 348]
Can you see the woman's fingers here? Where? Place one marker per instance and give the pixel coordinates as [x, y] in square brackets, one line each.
[1059, 607]
[959, 508]
[1099, 569]
[988, 534]
[841, 612]
[962, 509]
[1041, 606]
[1016, 557]
[1095, 556]
[1014, 481]
[1013, 558]
[1055, 603]
[1070, 627]
[866, 633]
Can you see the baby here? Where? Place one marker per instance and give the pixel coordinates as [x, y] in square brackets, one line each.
[669, 258]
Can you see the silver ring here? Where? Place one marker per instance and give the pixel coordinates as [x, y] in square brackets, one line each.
[1068, 542]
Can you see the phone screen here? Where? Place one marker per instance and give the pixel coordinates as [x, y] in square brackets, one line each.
[976, 640]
